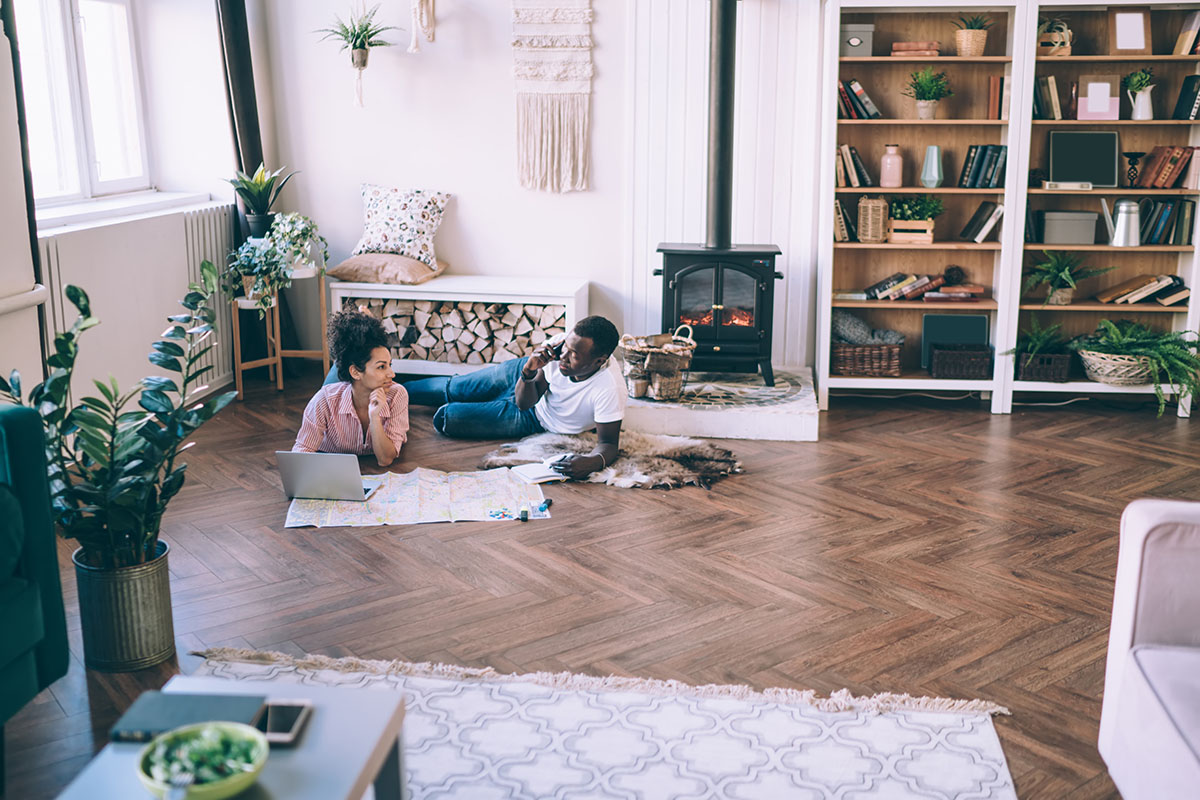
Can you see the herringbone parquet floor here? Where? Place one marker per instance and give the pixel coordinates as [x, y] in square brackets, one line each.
[920, 546]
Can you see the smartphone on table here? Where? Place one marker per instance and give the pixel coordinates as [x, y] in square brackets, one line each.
[284, 720]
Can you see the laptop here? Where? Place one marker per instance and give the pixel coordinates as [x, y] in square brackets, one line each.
[324, 476]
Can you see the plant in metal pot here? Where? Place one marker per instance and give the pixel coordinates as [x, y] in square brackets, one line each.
[927, 88]
[113, 468]
[259, 192]
[1142, 355]
[1061, 272]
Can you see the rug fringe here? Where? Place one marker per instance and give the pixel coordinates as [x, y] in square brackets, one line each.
[841, 700]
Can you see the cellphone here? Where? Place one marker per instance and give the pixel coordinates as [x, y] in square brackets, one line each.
[284, 720]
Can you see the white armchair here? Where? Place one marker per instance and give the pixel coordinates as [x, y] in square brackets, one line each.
[1150, 722]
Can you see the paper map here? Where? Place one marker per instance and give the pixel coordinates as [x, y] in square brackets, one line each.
[426, 495]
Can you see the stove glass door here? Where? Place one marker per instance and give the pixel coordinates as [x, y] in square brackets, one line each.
[695, 288]
[737, 304]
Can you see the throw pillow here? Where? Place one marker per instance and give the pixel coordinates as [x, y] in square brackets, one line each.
[401, 221]
[384, 268]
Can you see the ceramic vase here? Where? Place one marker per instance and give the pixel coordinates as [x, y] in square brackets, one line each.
[931, 172]
[927, 109]
[891, 167]
[1142, 107]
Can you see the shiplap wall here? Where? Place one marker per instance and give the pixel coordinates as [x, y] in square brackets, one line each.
[775, 139]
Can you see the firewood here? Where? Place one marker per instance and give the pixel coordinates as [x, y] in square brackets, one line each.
[465, 306]
[480, 310]
[427, 340]
[503, 336]
[523, 326]
[388, 325]
[421, 318]
[460, 348]
[466, 338]
[424, 305]
[420, 352]
[486, 352]
[391, 307]
[509, 319]
[403, 352]
[537, 336]
[454, 317]
[548, 316]
[450, 333]
[452, 356]
[517, 309]
[403, 321]
[473, 357]
[480, 343]
[501, 355]
[435, 322]
[555, 331]
[405, 306]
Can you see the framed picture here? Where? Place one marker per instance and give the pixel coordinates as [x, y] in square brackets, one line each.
[1129, 31]
[1099, 97]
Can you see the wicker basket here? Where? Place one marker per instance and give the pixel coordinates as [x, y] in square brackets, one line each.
[1115, 370]
[960, 361]
[1052, 367]
[870, 360]
[655, 365]
[970, 43]
[872, 219]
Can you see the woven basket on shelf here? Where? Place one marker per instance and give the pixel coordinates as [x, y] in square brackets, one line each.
[961, 361]
[869, 360]
[1115, 370]
[970, 43]
[1052, 367]
[872, 219]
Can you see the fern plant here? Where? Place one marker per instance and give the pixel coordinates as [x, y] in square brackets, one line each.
[1171, 355]
[358, 32]
[1062, 269]
[925, 84]
[975, 22]
[1036, 339]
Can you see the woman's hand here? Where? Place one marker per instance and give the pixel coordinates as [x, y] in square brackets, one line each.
[379, 399]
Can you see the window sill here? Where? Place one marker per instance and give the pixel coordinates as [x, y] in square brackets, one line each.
[101, 210]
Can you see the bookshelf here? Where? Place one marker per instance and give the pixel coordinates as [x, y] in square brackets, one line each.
[998, 262]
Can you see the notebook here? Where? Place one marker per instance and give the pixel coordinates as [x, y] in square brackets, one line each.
[539, 471]
[155, 712]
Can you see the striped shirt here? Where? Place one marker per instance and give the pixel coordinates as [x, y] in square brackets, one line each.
[332, 426]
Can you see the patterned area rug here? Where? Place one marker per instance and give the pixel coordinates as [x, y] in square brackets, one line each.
[473, 734]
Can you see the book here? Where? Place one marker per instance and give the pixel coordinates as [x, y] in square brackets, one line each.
[873, 290]
[860, 167]
[1182, 235]
[841, 108]
[925, 45]
[1174, 297]
[1047, 91]
[839, 169]
[1185, 157]
[1189, 98]
[840, 233]
[892, 292]
[848, 294]
[1162, 234]
[1052, 87]
[1191, 176]
[916, 53]
[539, 471]
[996, 180]
[1005, 97]
[851, 172]
[1038, 111]
[993, 97]
[844, 96]
[1187, 34]
[1161, 282]
[865, 99]
[968, 165]
[914, 289]
[1165, 169]
[1125, 287]
[859, 109]
[965, 288]
[987, 160]
[1151, 164]
[851, 223]
[1174, 284]
[974, 225]
[915, 292]
[155, 712]
[942, 297]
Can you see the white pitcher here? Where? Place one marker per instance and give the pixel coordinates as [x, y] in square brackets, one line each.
[1142, 109]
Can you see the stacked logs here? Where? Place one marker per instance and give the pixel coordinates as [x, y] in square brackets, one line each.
[463, 332]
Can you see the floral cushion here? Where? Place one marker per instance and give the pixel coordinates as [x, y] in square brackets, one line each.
[401, 221]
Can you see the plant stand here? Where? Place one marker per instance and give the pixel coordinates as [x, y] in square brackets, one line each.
[273, 359]
[323, 353]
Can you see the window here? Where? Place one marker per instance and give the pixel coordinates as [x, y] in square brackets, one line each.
[83, 104]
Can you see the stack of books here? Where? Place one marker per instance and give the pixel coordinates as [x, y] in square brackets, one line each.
[854, 102]
[1168, 165]
[998, 96]
[849, 169]
[962, 293]
[983, 167]
[982, 222]
[1166, 290]
[1169, 222]
[1046, 104]
[899, 286]
[917, 49]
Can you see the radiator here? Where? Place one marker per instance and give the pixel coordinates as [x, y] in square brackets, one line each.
[210, 237]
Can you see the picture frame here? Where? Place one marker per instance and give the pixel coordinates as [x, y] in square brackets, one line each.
[1129, 31]
[1099, 97]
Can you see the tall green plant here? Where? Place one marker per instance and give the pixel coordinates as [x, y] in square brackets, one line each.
[1171, 354]
[358, 32]
[260, 190]
[113, 470]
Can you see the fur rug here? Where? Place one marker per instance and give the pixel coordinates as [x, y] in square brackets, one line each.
[646, 461]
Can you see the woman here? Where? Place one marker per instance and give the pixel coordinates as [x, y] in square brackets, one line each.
[364, 412]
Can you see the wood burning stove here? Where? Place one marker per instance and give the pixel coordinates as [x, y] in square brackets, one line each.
[724, 291]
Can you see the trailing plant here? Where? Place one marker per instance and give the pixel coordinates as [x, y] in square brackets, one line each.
[925, 84]
[114, 469]
[1171, 354]
[1061, 270]
[358, 32]
[1036, 339]
[257, 269]
[260, 190]
[1139, 80]
[975, 22]
[298, 241]
[916, 207]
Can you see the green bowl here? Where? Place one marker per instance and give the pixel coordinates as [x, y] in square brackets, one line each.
[214, 790]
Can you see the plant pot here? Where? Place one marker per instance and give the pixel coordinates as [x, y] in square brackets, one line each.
[1054, 44]
[1143, 108]
[126, 613]
[1116, 370]
[970, 43]
[1060, 297]
[927, 109]
[910, 231]
[259, 224]
[358, 58]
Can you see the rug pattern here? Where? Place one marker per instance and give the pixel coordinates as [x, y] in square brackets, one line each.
[710, 390]
[506, 738]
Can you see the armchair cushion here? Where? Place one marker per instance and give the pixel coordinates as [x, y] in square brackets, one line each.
[21, 621]
[12, 532]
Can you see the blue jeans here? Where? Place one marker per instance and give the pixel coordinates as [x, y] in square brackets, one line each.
[477, 405]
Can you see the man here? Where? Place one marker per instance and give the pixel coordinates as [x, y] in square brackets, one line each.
[567, 386]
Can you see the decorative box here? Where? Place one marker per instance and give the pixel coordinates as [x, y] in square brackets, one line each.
[857, 39]
[910, 231]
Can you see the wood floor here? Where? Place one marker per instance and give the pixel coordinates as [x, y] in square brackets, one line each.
[921, 546]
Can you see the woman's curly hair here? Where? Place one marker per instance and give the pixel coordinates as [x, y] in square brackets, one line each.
[352, 337]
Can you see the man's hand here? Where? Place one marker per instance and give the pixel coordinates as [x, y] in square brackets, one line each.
[378, 400]
[577, 467]
[540, 358]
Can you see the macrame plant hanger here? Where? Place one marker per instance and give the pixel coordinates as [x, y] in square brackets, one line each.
[423, 23]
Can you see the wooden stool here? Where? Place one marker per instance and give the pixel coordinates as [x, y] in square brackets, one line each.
[323, 353]
[274, 359]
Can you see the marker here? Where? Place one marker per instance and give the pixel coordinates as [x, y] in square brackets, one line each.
[524, 512]
[546, 504]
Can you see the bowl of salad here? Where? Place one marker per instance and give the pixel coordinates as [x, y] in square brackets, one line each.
[224, 759]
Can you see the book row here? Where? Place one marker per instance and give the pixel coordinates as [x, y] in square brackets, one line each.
[1101, 98]
[1166, 290]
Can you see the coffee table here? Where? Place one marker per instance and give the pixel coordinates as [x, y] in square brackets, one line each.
[351, 741]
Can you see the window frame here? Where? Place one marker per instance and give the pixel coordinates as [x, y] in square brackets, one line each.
[90, 184]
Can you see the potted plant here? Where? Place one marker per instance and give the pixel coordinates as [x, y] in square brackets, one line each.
[927, 88]
[1138, 85]
[358, 34]
[1061, 272]
[1054, 37]
[911, 218]
[113, 470]
[1042, 353]
[971, 37]
[300, 245]
[259, 192]
[256, 272]
[1127, 353]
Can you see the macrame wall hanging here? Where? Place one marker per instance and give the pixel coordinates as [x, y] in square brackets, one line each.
[552, 54]
[422, 24]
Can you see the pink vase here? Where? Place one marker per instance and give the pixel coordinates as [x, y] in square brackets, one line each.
[891, 167]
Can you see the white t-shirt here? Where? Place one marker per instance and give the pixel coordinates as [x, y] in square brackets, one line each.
[576, 406]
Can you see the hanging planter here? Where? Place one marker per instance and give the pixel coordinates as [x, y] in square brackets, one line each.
[358, 34]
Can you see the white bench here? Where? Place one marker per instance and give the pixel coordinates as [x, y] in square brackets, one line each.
[570, 293]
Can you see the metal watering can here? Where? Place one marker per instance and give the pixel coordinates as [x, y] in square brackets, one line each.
[1124, 230]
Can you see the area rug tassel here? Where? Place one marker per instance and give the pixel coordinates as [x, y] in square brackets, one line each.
[552, 57]
[422, 24]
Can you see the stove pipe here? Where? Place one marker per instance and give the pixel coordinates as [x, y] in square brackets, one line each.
[721, 62]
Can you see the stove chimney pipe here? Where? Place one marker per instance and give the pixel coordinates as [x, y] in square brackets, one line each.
[722, 59]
